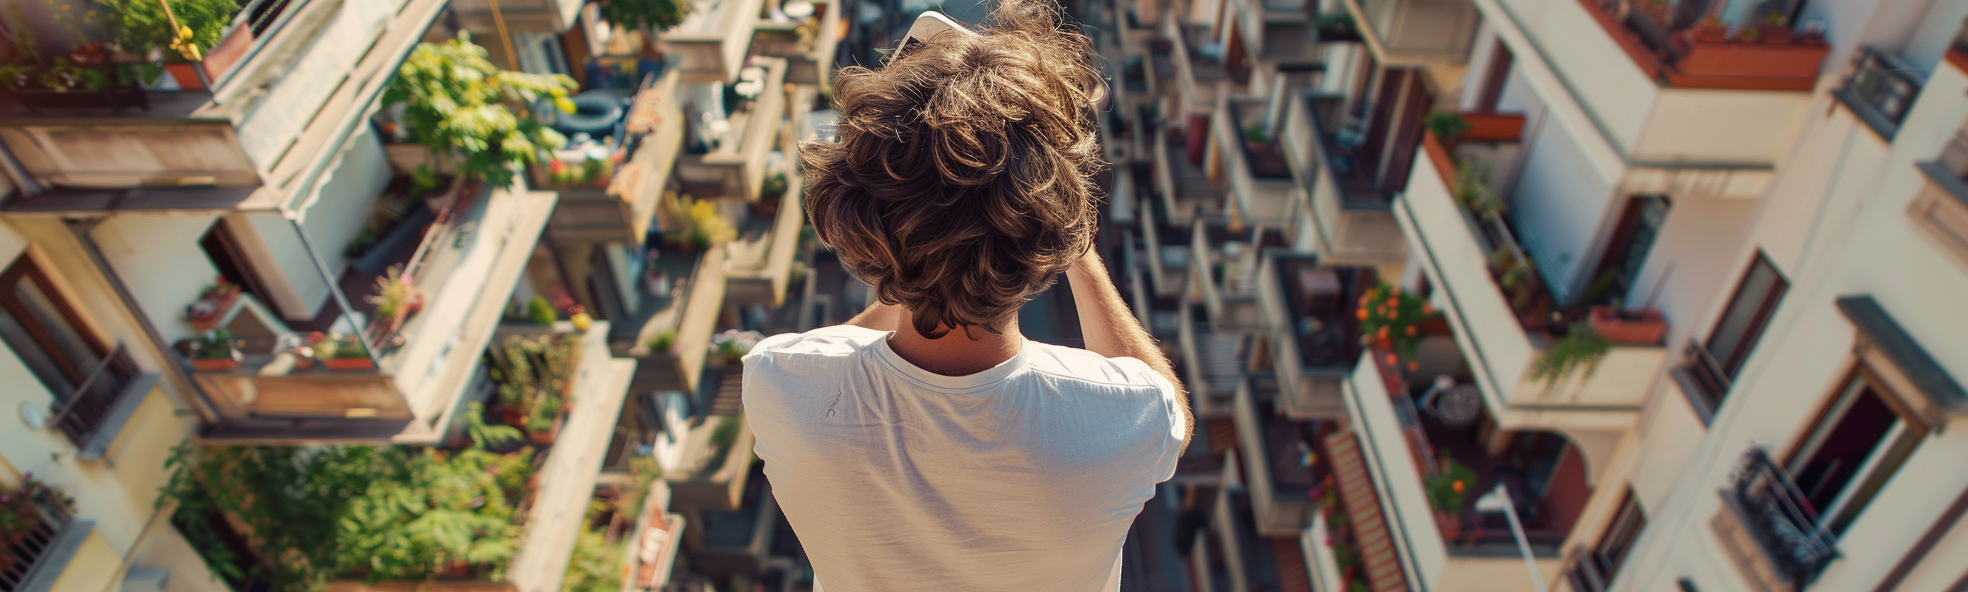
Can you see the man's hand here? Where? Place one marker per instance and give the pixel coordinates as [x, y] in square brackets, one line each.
[1111, 330]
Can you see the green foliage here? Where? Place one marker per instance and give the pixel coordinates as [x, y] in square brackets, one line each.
[724, 435]
[775, 184]
[540, 312]
[337, 512]
[341, 346]
[1581, 349]
[532, 375]
[484, 435]
[596, 565]
[663, 342]
[1255, 133]
[1389, 319]
[1448, 485]
[1446, 125]
[217, 344]
[1473, 191]
[457, 103]
[425, 180]
[656, 15]
[1516, 276]
[141, 25]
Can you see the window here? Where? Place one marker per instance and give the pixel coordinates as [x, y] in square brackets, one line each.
[42, 329]
[1597, 566]
[1860, 440]
[1711, 367]
[1881, 89]
[1940, 211]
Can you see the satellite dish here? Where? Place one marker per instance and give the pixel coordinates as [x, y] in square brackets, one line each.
[1459, 406]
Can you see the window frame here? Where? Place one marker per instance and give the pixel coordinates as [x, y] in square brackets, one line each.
[1927, 210]
[1882, 462]
[1759, 322]
[114, 365]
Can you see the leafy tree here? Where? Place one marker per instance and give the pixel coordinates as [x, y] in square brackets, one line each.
[655, 15]
[458, 104]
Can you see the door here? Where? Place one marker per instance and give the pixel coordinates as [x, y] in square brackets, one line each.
[1639, 225]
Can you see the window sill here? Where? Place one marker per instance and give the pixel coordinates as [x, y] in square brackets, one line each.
[119, 414]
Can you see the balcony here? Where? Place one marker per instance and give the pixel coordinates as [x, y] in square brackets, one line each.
[713, 40]
[1346, 217]
[1503, 319]
[716, 465]
[1416, 32]
[533, 16]
[1768, 528]
[1880, 90]
[726, 145]
[405, 373]
[1226, 271]
[759, 265]
[620, 210]
[1416, 451]
[212, 149]
[1166, 256]
[1671, 47]
[1253, 161]
[37, 556]
[738, 541]
[1271, 446]
[1185, 189]
[1249, 560]
[1312, 331]
[1212, 364]
[806, 35]
[671, 331]
[1199, 67]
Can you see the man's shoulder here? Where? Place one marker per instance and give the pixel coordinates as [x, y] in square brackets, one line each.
[837, 340]
[1075, 364]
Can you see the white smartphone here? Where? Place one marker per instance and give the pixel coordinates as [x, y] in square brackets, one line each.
[928, 25]
[931, 23]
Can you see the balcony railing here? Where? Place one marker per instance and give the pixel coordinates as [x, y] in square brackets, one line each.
[1780, 518]
[21, 562]
[1703, 377]
[81, 413]
[1881, 90]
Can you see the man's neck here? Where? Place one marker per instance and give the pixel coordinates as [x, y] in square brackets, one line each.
[961, 351]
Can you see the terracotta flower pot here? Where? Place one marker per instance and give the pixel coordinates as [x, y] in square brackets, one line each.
[219, 365]
[186, 75]
[349, 364]
[1632, 327]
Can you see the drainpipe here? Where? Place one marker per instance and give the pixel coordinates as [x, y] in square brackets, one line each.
[171, 369]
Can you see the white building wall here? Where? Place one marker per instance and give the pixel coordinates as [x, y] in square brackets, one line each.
[160, 260]
[1934, 34]
[348, 192]
[1559, 201]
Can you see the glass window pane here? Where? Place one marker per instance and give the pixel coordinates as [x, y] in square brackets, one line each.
[35, 356]
[78, 350]
[1742, 322]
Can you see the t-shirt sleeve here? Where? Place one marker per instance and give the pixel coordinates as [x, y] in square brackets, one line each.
[1172, 426]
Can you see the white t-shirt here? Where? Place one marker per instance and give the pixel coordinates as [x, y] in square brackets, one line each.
[1024, 477]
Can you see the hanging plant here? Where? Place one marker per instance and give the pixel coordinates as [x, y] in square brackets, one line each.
[1581, 349]
[457, 104]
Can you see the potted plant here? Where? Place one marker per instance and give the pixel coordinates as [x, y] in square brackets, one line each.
[1447, 127]
[21, 515]
[1389, 323]
[1472, 190]
[663, 343]
[541, 312]
[472, 114]
[344, 353]
[205, 313]
[395, 300]
[728, 348]
[1637, 326]
[1446, 487]
[1773, 29]
[185, 30]
[653, 15]
[215, 351]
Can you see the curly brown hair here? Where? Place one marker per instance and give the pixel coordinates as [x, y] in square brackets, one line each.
[962, 183]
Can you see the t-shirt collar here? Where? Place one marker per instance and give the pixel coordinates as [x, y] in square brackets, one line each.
[968, 381]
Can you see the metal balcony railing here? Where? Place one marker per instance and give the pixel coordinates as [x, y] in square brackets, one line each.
[81, 412]
[1705, 374]
[1780, 518]
[1881, 89]
[28, 551]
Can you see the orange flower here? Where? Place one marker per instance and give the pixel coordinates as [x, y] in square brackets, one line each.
[1457, 486]
[1382, 333]
[1414, 365]
[1363, 314]
[1391, 360]
[1393, 314]
[1392, 301]
[1410, 330]
[1427, 308]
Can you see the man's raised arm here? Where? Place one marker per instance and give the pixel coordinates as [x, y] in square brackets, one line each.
[1111, 330]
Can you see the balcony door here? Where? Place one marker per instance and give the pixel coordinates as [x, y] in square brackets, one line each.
[1859, 441]
[42, 328]
[1633, 238]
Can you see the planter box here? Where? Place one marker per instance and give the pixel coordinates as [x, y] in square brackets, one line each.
[1492, 127]
[1634, 327]
[1785, 66]
[214, 365]
[349, 364]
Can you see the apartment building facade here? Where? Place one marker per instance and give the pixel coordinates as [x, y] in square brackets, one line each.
[263, 191]
[1615, 213]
